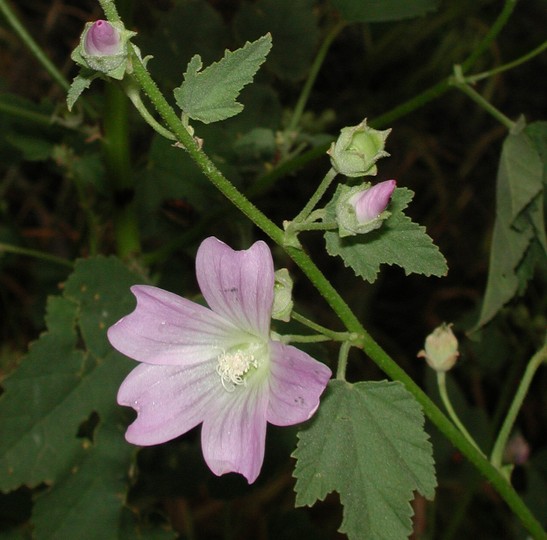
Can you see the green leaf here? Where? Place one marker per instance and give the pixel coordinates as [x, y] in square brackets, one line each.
[366, 442]
[398, 241]
[69, 381]
[383, 10]
[90, 489]
[80, 83]
[294, 29]
[210, 95]
[519, 220]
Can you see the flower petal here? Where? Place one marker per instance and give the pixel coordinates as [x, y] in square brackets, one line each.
[234, 432]
[296, 382]
[169, 400]
[167, 329]
[239, 285]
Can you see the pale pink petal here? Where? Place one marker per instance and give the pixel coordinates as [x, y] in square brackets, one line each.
[169, 400]
[369, 204]
[239, 285]
[169, 330]
[234, 432]
[296, 382]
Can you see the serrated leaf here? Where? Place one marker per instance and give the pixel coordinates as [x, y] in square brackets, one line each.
[85, 503]
[398, 241]
[59, 384]
[383, 10]
[519, 222]
[366, 442]
[210, 95]
[80, 83]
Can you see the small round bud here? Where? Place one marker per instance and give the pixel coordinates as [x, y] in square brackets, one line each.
[283, 302]
[102, 39]
[517, 450]
[357, 150]
[361, 209]
[441, 348]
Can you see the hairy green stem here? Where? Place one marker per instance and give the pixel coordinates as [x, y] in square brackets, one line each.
[343, 360]
[331, 334]
[316, 197]
[441, 383]
[35, 254]
[109, 8]
[470, 79]
[339, 306]
[501, 442]
[491, 35]
[134, 95]
[459, 81]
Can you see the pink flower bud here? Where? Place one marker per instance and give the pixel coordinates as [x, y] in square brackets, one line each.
[102, 39]
[371, 202]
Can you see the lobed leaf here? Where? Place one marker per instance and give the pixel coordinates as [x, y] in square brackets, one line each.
[70, 375]
[366, 442]
[398, 241]
[210, 95]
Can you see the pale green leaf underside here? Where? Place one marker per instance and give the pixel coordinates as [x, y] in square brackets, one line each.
[210, 95]
[519, 225]
[398, 241]
[367, 442]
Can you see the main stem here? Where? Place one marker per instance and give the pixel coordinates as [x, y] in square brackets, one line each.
[339, 306]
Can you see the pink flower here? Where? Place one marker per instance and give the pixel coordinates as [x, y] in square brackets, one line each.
[370, 203]
[215, 366]
[102, 39]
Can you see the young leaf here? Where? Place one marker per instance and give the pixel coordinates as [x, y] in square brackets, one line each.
[80, 83]
[519, 224]
[210, 95]
[367, 442]
[398, 241]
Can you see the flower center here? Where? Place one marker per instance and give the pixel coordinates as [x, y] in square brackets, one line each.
[233, 368]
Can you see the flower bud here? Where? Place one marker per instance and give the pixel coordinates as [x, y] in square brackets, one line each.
[362, 209]
[370, 203]
[283, 302]
[517, 450]
[102, 39]
[357, 149]
[441, 348]
[103, 48]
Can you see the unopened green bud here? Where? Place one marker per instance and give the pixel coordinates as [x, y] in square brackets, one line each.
[441, 348]
[357, 150]
[283, 302]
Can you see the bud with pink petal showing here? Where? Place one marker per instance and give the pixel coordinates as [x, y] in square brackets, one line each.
[362, 209]
[441, 348]
[103, 48]
[102, 39]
